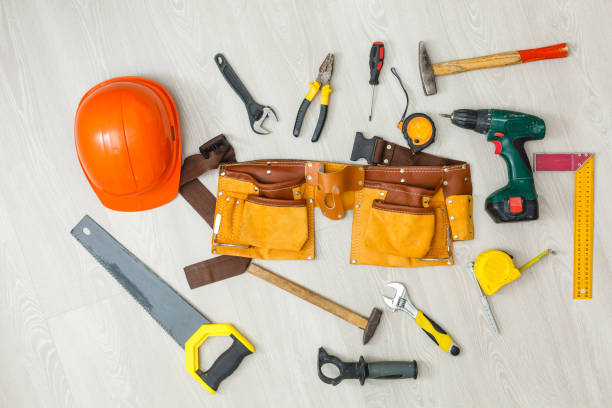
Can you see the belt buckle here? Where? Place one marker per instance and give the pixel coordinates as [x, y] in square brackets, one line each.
[364, 148]
[214, 146]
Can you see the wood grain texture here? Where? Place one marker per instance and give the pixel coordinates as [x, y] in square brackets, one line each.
[70, 336]
[469, 64]
[308, 295]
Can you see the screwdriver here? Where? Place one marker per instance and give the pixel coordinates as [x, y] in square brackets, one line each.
[377, 56]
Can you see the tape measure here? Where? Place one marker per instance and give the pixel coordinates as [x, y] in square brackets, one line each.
[418, 130]
[583, 166]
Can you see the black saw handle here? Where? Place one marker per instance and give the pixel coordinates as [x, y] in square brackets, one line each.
[225, 364]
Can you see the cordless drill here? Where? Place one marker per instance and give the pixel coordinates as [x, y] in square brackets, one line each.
[508, 131]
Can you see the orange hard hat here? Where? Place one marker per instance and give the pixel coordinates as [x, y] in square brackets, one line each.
[128, 141]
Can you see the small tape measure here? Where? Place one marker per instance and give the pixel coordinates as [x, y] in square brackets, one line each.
[418, 130]
[583, 166]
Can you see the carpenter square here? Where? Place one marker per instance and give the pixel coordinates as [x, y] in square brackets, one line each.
[186, 325]
[583, 166]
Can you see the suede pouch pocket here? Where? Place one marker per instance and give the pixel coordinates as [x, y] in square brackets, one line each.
[273, 223]
[400, 230]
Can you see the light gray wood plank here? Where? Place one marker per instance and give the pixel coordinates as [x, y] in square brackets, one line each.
[32, 372]
[69, 334]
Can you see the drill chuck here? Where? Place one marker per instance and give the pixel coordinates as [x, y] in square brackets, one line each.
[476, 120]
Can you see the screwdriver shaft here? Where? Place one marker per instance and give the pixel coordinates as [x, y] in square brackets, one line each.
[371, 104]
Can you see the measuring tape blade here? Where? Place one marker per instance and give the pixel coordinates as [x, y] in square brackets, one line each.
[583, 166]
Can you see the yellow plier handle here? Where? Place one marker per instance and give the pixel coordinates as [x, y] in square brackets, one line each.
[314, 88]
[325, 91]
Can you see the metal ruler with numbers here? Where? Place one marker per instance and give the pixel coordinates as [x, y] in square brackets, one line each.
[583, 166]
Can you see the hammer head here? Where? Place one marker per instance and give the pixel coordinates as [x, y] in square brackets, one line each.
[370, 328]
[428, 79]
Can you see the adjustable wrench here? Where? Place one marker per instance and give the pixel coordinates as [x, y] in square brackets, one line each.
[257, 112]
[431, 328]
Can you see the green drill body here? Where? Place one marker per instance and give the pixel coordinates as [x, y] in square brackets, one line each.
[508, 131]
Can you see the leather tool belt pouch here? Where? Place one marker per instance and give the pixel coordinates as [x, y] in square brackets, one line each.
[406, 212]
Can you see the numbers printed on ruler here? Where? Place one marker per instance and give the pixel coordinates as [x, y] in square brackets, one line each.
[583, 230]
[583, 166]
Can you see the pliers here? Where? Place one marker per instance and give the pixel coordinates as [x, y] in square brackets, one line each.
[322, 82]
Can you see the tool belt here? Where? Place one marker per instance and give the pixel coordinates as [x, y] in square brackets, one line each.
[407, 211]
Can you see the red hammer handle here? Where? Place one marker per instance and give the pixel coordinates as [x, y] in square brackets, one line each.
[553, 51]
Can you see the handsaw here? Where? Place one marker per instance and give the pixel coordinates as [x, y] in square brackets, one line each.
[185, 324]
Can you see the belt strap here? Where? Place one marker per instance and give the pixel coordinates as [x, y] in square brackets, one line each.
[212, 153]
[378, 151]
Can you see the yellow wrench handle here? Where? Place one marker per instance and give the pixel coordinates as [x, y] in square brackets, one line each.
[437, 333]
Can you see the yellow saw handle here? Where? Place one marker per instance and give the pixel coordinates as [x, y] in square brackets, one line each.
[437, 333]
[225, 364]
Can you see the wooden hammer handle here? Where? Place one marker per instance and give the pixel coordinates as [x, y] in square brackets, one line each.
[500, 60]
[308, 295]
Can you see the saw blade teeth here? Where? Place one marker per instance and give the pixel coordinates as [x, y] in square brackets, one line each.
[164, 304]
[112, 270]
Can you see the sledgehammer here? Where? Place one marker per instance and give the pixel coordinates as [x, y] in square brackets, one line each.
[430, 71]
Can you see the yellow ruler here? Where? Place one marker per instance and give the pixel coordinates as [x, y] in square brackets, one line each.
[583, 166]
[583, 230]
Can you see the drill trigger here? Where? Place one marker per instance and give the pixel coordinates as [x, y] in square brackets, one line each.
[498, 146]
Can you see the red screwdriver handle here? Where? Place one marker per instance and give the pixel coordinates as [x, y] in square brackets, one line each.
[377, 56]
[553, 51]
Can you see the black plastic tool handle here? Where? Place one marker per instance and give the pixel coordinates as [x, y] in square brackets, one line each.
[360, 370]
[225, 364]
[391, 370]
[320, 123]
[377, 56]
[232, 79]
[300, 117]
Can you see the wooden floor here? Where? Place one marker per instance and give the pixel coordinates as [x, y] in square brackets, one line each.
[71, 337]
